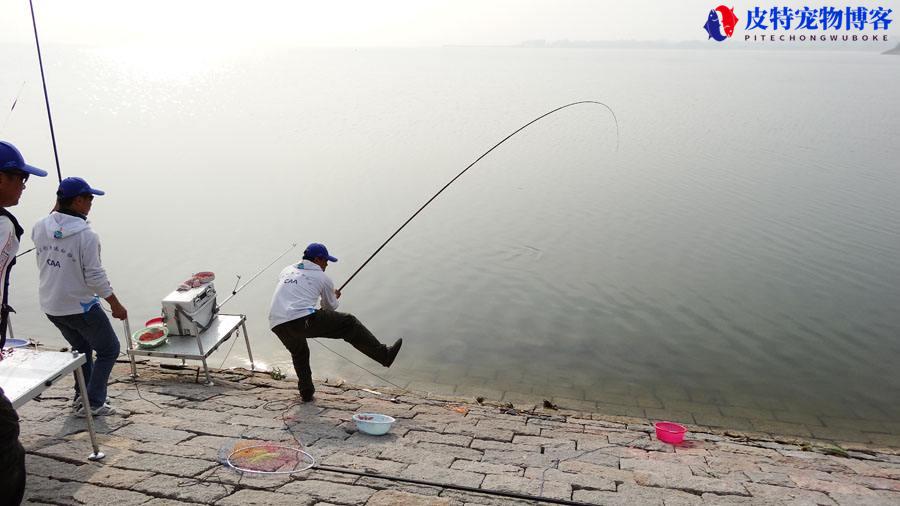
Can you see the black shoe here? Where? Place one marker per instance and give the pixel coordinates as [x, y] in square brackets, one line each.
[392, 353]
[307, 395]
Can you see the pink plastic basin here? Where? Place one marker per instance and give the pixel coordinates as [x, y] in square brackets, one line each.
[669, 432]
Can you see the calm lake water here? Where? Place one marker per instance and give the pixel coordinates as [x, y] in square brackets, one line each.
[741, 243]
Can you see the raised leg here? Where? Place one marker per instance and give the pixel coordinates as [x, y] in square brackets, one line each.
[336, 325]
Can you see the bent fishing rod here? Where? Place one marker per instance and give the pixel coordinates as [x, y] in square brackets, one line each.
[523, 127]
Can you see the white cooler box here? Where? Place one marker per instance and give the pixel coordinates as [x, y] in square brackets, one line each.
[190, 312]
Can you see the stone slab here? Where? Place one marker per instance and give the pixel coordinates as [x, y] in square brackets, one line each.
[328, 491]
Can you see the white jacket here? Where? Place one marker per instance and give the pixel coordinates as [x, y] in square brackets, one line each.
[298, 291]
[68, 258]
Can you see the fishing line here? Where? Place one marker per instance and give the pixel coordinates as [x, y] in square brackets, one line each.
[134, 382]
[236, 336]
[137, 389]
[361, 367]
[238, 289]
[37, 43]
[235, 290]
[523, 127]
[404, 390]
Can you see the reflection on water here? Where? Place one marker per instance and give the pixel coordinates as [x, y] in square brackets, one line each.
[734, 263]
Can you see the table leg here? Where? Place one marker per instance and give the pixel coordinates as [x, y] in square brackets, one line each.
[209, 381]
[130, 348]
[134, 373]
[247, 340]
[86, 404]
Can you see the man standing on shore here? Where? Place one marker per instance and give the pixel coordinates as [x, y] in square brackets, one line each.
[72, 281]
[294, 317]
[14, 173]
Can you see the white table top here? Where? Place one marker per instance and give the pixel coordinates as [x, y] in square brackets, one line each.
[25, 373]
[223, 325]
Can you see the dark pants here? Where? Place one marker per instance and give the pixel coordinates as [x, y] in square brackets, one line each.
[12, 455]
[89, 332]
[331, 325]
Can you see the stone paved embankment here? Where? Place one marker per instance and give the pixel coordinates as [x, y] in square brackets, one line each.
[719, 407]
[166, 448]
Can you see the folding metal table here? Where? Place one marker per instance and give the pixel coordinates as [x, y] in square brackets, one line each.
[25, 373]
[197, 347]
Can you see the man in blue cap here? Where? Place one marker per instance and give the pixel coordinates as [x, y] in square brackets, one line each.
[14, 172]
[72, 282]
[294, 316]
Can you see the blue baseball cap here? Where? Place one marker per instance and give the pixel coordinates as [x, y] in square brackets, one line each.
[75, 186]
[11, 159]
[316, 250]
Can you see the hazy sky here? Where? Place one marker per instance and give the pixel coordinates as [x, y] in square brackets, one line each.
[370, 22]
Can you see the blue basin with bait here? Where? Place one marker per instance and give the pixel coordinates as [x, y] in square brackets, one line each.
[373, 423]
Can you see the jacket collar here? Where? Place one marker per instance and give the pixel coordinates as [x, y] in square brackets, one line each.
[308, 265]
[72, 213]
